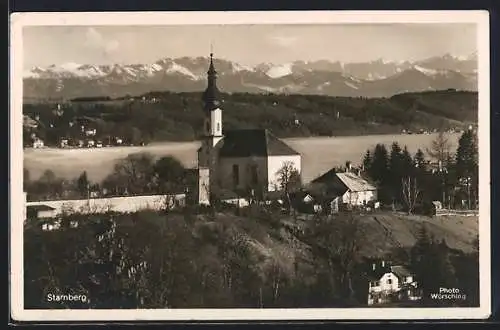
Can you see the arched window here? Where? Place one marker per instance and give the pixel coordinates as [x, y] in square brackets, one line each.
[218, 127]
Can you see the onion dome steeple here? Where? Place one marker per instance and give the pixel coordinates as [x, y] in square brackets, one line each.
[211, 94]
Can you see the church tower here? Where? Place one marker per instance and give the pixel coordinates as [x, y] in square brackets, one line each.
[212, 134]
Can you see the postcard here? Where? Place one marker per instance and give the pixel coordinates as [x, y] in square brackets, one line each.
[237, 166]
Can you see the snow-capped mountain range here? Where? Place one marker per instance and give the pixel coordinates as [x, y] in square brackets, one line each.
[377, 78]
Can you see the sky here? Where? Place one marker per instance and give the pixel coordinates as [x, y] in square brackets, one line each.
[245, 44]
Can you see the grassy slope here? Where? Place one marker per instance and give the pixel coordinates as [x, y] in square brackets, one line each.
[383, 232]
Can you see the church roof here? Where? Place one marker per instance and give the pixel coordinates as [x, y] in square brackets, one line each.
[253, 142]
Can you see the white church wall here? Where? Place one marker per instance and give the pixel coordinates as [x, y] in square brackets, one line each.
[275, 163]
[225, 173]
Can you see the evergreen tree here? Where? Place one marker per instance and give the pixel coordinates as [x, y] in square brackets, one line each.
[419, 159]
[467, 156]
[367, 161]
[407, 164]
[379, 167]
[432, 265]
[396, 171]
[83, 184]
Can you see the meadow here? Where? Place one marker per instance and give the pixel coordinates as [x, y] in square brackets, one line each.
[319, 154]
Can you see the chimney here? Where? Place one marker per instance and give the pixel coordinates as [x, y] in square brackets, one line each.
[348, 166]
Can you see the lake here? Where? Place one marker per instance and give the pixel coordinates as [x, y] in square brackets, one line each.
[319, 154]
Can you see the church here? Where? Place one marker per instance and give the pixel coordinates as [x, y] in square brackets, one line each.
[240, 161]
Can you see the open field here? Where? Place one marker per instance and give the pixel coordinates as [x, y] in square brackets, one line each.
[318, 154]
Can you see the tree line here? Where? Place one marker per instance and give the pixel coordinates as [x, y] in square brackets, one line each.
[136, 174]
[438, 175]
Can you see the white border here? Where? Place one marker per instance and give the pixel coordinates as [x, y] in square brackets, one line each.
[19, 20]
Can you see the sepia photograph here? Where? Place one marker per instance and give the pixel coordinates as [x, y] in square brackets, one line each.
[249, 165]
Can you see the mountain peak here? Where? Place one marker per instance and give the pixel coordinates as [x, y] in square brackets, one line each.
[304, 77]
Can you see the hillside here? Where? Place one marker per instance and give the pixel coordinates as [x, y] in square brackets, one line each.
[249, 260]
[166, 116]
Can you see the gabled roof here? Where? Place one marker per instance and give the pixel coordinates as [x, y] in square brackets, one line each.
[350, 180]
[400, 271]
[354, 182]
[325, 177]
[253, 142]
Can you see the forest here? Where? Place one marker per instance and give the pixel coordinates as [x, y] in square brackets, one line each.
[166, 116]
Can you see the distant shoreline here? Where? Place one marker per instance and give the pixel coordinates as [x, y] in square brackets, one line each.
[319, 154]
[196, 142]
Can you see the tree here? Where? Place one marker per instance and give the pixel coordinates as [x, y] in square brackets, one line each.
[48, 186]
[83, 184]
[411, 193]
[379, 167]
[288, 179]
[395, 170]
[135, 173]
[432, 265]
[467, 155]
[338, 246]
[440, 148]
[407, 163]
[467, 166]
[419, 159]
[367, 161]
[170, 175]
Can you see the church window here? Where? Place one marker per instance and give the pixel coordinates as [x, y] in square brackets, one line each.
[236, 175]
[389, 281]
[218, 127]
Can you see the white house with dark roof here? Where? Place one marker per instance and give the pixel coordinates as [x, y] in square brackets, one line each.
[237, 160]
[353, 189]
[388, 283]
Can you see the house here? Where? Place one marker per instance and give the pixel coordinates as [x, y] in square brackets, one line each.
[305, 201]
[64, 143]
[38, 143]
[239, 160]
[40, 211]
[90, 132]
[388, 284]
[90, 143]
[352, 188]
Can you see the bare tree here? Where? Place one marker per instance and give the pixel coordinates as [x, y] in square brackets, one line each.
[440, 149]
[410, 192]
[288, 178]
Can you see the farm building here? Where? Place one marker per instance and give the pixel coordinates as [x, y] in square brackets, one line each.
[391, 283]
[352, 189]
